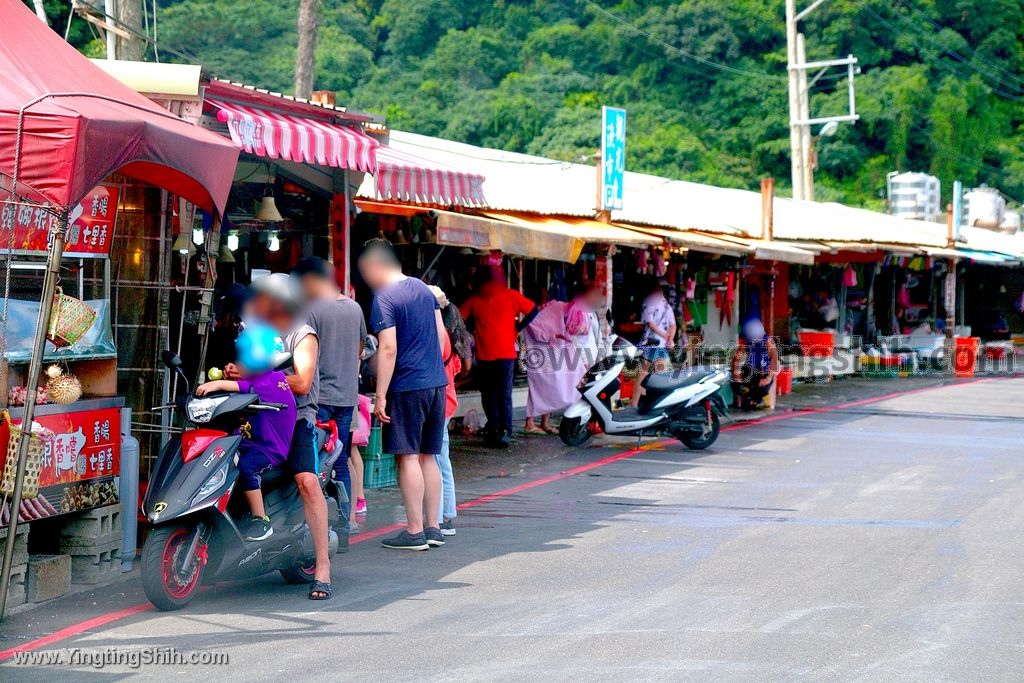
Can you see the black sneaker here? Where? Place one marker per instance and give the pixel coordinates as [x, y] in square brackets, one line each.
[406, 541]
[435, 539]
[257, 528]
[448, 527]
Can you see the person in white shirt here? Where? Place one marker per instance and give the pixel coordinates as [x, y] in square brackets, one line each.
[659, 335]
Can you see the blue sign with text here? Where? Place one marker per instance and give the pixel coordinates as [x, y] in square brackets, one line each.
[613, 157]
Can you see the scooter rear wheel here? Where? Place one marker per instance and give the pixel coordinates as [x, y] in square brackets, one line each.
[698, 441]
[164, 580]
[299, 575]
[573, 431]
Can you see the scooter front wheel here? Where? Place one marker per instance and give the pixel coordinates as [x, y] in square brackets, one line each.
[573, 431]
[169, 578]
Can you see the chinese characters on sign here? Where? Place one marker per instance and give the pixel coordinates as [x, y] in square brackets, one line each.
[613, 157]
[90, 234]
[85, 445]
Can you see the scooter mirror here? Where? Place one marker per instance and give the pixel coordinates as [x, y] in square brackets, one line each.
[170, 359]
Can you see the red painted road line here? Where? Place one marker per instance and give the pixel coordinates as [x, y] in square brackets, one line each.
[103, 620]
[74, 630]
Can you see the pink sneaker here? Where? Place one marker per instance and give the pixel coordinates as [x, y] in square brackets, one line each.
[360, 506]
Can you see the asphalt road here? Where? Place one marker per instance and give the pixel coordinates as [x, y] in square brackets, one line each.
[874, 542]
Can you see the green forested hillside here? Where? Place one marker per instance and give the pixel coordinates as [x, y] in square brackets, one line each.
[942, 88]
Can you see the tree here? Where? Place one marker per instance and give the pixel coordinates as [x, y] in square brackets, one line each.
[305, 54]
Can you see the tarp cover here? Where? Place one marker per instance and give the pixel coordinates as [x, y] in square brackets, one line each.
[94, 126]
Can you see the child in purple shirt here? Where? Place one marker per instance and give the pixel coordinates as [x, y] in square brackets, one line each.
[266, 438]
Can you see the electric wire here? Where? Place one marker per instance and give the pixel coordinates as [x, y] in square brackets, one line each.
[675, 50]
[938, 61]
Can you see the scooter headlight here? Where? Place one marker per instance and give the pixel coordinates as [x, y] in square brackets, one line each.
[202, 409]
[211, 486]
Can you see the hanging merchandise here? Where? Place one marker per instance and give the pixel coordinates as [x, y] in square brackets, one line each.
[903, 298]
[642, 264]
[691, 287]
[62, 387]
[70, 319]
[659, 264]
[849, 277]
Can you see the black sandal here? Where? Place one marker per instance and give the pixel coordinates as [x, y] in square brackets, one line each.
[321, 588]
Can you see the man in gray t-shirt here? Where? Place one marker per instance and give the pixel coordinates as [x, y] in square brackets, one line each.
[275, 302]
[339, 325]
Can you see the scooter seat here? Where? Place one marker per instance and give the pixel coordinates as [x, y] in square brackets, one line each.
[276, 477]
[664, 382]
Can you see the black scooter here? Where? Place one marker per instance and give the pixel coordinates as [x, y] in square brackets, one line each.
[195, 537]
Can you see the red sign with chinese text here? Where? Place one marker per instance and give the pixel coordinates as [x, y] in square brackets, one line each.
[85, 445]
[90, 235]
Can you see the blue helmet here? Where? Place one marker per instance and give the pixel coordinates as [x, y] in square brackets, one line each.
[258, 347]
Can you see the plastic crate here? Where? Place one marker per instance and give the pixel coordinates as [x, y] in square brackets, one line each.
[379, 469]
[880, 367]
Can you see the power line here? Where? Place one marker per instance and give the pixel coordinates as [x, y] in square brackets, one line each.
[675, 50]
[925, 51]
[977, 163]
[974, 53]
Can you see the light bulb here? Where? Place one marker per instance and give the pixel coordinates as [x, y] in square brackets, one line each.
[197, 236]
[275, 243]
[232, 241]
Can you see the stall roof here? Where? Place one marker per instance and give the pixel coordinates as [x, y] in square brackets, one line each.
[513, 238]
[80, 125]
[588, 230]
[710, 244]
[278, 135]
[406, 177]
[774, 251]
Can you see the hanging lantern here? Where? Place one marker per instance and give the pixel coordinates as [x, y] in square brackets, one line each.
[183, 245]
[274, 244]
[268, 208]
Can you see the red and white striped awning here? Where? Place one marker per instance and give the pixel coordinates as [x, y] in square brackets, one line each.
[408, 178]
[293, 138]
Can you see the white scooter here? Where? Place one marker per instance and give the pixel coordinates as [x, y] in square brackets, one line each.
[685, 404]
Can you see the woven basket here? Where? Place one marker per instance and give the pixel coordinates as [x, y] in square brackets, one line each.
[70, 319]
[33, 462]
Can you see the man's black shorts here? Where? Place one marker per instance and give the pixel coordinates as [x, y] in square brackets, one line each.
[417, 422]
[303, 455]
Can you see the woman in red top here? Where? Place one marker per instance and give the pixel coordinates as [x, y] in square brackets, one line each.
[455, 350]
[495, 312]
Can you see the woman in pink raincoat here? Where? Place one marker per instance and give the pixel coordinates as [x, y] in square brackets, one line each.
[559, 346]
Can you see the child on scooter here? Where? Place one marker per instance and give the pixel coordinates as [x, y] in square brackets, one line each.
[266, 437]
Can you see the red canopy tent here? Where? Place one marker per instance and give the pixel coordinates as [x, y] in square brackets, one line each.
[65, 125]
[79, 125]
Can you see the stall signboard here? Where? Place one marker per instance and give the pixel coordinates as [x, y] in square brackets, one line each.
[90, 235]
[613, 157]
[80, 462]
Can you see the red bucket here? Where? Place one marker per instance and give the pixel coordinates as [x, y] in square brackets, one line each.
[965, 356]
[820, 344]
[785, 382]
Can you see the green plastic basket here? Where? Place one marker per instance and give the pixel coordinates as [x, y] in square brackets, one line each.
[379, 469]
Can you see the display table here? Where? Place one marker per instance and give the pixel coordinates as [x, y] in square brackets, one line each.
[81, 461]
[841, 362]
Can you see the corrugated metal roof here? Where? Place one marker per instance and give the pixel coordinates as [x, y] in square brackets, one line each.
[526, 183]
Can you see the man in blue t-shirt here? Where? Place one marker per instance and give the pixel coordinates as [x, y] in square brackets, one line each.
[411, 385]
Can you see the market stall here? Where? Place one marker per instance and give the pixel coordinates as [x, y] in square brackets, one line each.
[65, 127]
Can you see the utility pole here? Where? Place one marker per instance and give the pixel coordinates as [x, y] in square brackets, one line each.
[129, 15]
[305, 53]
[801, 142]
[796, 148]
[110, 13]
